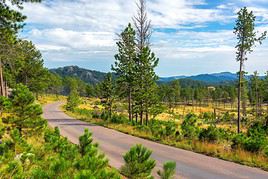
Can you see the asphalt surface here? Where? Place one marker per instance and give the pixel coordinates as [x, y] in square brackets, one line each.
[114, 144]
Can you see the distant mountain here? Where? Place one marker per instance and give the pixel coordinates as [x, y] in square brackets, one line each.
[88, 76]
[215, 78]
[94, 77]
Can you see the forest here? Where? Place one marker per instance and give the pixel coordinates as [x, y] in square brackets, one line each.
[228, 121]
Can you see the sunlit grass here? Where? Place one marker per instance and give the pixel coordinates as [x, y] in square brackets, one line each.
[220, 150]
[46, 99]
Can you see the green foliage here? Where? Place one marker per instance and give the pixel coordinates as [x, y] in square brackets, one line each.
[57, 158]
[73, 100]
[138, 164]
[227, 117]
[2, 131]
[247, 38]
[169, 170]
[211, 134]
[26, 115]
[254, 141]
[189, 126]
[5, 104]
[108, 94]
[119, 119]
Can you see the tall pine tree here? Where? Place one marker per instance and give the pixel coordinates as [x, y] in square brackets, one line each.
[247, 38]
[125, 64]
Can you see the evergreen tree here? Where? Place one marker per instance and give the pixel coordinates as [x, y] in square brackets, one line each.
[265, 87]
[107, 90]
[247, 38]
[145, 77]
[146, 81]
[73, 99]
[11, 22]
[169, 170]
[138, 164]
[125, 64]
[256, 93]
[26, 115]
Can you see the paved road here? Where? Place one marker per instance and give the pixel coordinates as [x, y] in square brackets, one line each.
[114, 144]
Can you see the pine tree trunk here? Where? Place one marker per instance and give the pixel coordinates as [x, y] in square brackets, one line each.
[2, 90]
[239, 97]
[147, 117]
[141, 115]
[129, 105]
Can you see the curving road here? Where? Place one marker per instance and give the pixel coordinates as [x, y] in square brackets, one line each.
[114, 144]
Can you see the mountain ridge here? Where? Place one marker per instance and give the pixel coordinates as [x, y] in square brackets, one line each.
[94, 76]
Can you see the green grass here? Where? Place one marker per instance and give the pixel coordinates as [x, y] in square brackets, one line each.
[218, 150]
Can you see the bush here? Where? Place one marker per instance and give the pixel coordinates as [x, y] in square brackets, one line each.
[138, 163]
[266, 151]
[84, 112]
[189, 127]
[104, 115]
[169, 170]
[207, 116]
[211, 134]
[73, 100]
[2, 131]
[118, 119]
[227, 117]
[255, 143]
[143, 128]
[238, 141]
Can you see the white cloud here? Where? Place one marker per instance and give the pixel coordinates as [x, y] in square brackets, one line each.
[85, 30]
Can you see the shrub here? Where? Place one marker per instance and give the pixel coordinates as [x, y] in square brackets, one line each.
[169, 170]
[238, 141]
[143, 128]
[255, 143]
[207, 116]
[84, 112]
[211, 134]
[138, 163]
[73, 100]
[104, 115]
[189, 128]
[227, 117]
[266, 151]
[2, 131]
[118, 119]
[25, 113]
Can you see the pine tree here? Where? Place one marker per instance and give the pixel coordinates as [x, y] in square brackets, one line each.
[125, 64]
[256, 92]
[107, 90]
[138, 164]
[26, 115]
[10, 24]
[247, 38]
[169, 170]
[145, 77]
[73, 100]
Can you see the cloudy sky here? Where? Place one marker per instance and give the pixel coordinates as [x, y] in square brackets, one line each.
[189, 36]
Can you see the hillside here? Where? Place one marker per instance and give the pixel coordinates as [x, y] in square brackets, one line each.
[88, 76]
[94, 77]
[211, 79]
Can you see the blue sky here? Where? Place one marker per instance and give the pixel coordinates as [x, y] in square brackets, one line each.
[189, 36]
